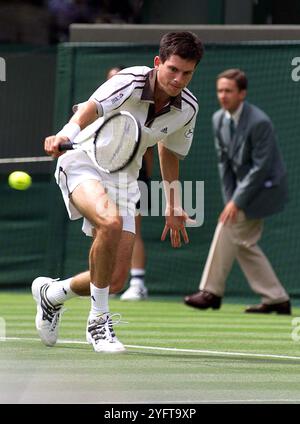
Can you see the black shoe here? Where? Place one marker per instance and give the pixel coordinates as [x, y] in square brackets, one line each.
[203, 300]
[283, 308]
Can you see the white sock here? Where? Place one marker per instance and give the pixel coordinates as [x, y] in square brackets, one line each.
[137, 277]
[60, 291]
[99, 301]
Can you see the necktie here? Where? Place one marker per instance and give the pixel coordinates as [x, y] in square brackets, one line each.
[232, 128]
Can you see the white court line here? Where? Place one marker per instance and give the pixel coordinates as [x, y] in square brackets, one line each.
[27, 159]
[172, 349]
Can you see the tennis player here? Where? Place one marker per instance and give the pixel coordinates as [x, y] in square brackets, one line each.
[167, 111]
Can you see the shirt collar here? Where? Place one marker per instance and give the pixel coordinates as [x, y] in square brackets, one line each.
[236, 114]
[148, 91]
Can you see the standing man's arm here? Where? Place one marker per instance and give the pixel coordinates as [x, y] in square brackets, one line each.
[176, 217]
[227, 177]
[228, 186]
[262, 140]
[262, 155]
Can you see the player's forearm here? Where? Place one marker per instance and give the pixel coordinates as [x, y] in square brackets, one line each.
[85, 115]
[169, 166]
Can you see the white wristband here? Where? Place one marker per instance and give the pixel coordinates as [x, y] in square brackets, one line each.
[70, 130]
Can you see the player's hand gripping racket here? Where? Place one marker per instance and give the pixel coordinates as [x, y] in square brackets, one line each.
[115, 142]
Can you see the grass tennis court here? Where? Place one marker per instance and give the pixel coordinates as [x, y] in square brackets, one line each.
[175, 354]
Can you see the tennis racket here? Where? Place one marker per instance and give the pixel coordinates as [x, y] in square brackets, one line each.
[115, 142]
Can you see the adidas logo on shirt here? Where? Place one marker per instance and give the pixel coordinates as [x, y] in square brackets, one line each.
[164, 130]
[189, 133]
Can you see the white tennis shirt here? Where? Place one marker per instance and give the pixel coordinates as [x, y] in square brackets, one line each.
[132, 89]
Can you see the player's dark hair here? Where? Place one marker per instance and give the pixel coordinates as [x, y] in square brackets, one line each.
[116, 68]
[237, 75]
[184, 44]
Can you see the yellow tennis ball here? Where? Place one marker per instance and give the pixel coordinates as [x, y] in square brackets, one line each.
[19, 180]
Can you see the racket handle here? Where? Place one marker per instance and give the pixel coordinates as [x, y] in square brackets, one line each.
[65, 146]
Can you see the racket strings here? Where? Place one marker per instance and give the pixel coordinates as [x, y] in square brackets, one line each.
[115, 143]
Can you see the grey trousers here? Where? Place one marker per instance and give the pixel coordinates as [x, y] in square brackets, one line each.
[239, 241]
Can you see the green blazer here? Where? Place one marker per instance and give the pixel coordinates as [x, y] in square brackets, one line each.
[251, 167]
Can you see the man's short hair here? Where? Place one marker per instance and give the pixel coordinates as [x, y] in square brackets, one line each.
[184, 44]
[237, 75]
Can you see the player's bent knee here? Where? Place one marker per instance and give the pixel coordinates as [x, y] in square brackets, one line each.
[111, 226]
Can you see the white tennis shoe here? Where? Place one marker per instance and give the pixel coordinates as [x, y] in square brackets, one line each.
[47, 316]
[135, 292]
[101, 335]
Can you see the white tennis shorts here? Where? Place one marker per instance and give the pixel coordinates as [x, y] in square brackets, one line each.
[75, 167]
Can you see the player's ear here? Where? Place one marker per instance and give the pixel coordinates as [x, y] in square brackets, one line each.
[157, 62]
